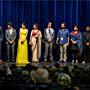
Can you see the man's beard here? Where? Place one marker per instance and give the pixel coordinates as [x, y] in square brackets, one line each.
[63, 27]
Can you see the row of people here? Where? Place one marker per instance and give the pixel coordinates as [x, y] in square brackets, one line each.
[64, 38]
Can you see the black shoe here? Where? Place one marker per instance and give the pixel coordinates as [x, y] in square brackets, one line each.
[8, 60]
[51, 61]
[60, 61]
[63, 61]
[45, 60]
[13, 60]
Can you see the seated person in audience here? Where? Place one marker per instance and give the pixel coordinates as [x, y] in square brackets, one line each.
[40, 75]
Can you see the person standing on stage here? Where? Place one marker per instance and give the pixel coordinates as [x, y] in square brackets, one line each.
[1, 39]
[35, 42]
[76, 44]
[63, 40]
[22, 51]
[49, 35]
[10, 35]
[86, 40]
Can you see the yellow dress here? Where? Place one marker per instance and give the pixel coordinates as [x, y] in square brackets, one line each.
[22, 52]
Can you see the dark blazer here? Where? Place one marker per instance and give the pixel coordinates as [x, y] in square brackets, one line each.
[86, 37]
[1, 35]
[10, 37]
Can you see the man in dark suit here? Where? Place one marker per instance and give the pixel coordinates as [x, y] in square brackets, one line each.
[10, 35]
[1, 39]
[49, 35]
[86, 40]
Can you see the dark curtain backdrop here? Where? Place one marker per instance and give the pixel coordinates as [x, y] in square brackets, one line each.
[41, 11]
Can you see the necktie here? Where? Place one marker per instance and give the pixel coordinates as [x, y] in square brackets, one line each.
[49, 32]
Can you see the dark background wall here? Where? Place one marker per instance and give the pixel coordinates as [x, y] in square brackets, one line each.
[41, 11]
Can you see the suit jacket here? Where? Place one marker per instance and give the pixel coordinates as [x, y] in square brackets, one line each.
[1, 36]
[86, 37]
[10, 37]
[52, 34]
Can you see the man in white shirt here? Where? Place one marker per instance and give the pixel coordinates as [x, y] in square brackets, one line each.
[49, 38]
[10, 35]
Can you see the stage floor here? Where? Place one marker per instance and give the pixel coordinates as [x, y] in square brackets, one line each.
[53, 63]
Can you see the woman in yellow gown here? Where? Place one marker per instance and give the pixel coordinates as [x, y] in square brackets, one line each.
[22, 52]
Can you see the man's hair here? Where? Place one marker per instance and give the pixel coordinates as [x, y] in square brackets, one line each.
[49, 22]
[76, 26]
[63, 23]
[10, 23]
[88, 26]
